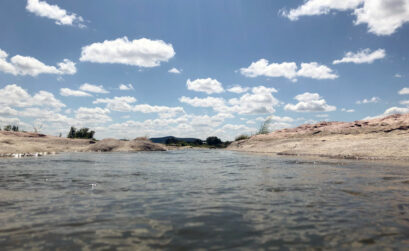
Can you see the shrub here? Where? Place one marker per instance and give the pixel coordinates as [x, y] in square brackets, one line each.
[265, 127]
[13, 128]
[241, 137]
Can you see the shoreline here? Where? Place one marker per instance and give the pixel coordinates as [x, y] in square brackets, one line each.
[377, 139]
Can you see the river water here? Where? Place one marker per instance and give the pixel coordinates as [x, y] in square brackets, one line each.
[201, 199]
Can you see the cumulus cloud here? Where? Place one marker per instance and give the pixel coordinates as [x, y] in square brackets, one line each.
[163, 111]
[263, 68]
[207, 85]
[23, 65]
[14, 95]
[54, 12]
[93, 115]
[310, 102]
[316, 71]
[238, 89]
[75, 93]
[174, 70]
[288, 70]
[404, 91]
[260, 101]
[127, 87]
[7, 111]
[203, 102]
[383, 17]
[397, 75]
[368, 101]
[139, 52]
[364, 56]
[120, 104]
[93, 88]
[347, 110]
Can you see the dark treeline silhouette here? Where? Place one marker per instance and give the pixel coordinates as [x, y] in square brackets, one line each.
[83, 133]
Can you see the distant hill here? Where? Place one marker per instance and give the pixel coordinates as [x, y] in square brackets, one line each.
[162, 140]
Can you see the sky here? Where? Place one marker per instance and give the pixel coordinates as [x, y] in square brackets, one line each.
[199, 68]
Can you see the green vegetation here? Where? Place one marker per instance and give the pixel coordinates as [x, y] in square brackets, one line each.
[13, 128]
[264, 127]
[242, 137]
[83, 133]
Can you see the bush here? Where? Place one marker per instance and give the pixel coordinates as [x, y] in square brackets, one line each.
[241, 137]
[13, 128]
[83, 133]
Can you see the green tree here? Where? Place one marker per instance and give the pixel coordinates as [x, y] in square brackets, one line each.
[71, 133]
[7, 128]
[213, 141]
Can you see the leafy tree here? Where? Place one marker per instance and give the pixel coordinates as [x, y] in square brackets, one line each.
[7, 128]
[83, 133]
[213, 141]
[71, 134]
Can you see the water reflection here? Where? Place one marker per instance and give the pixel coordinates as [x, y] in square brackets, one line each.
[201, 199]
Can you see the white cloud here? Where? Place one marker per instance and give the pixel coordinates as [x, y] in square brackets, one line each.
[288, 70]
[7, 111]
[22, 65]
[127, 87]
[163, 111]
[383, 17]
[397, 75]
[310, 102]
[404, 91]
[207, 85]
[93, 115]
[362, 56]
[404, 102]
[174, 70]
[238, 89]
[316, 71]
[120, 104]
[260, 101]
[203, 102]
[61, 16]
[394, 110]
[14, 95]
[368, 101]
[320, 7]
[347, 110]
[139, 52]
[263, 68]
[93, 88]
[76, 93]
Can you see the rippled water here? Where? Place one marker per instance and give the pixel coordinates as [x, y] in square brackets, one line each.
[200, 199]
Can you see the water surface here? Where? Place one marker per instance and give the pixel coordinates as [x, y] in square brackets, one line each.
[201, 199]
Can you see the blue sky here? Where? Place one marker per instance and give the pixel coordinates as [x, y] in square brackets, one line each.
[62, 63]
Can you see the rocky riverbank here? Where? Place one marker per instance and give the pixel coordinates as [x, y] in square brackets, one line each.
[27, 144]
[382, 138]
